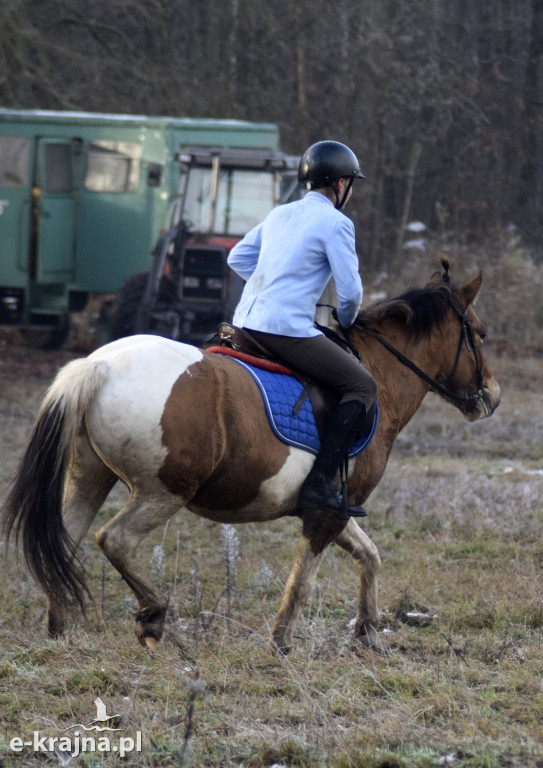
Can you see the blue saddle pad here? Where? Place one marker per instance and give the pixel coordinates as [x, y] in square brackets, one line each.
[280, 394]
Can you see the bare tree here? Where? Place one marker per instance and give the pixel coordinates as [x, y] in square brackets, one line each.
[441, 99]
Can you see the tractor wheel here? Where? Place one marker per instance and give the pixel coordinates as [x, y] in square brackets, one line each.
[127, 305]
[129, 301]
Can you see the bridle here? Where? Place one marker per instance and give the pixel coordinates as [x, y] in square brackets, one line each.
[467, 336]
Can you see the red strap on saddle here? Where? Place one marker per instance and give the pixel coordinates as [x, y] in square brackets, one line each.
[258, 362]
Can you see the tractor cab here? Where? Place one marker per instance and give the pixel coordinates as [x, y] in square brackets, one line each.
[189, 289]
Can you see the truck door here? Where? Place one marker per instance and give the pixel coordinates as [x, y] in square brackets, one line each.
[54, 212]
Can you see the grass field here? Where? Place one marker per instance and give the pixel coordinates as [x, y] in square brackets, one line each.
[458, 520]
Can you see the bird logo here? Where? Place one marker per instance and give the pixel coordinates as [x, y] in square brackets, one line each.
[101, 712]
[101, 718]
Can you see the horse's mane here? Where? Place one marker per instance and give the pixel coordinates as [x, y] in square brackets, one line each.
[418, 310]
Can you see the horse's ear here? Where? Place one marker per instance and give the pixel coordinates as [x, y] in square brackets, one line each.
[469, 292]
[437, 277]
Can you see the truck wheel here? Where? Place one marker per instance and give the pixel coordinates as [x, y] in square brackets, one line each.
[37, 339]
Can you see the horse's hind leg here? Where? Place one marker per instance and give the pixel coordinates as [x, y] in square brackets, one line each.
[119, 540]
[88, 484]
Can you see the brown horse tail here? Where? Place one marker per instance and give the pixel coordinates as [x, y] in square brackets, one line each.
[33, 508]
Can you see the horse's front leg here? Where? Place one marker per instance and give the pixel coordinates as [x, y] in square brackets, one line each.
[364, 552]
[318, 532]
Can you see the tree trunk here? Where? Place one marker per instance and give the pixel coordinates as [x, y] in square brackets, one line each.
[414, 158]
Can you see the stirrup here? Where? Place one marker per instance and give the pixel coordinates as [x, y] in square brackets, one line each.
[310, 500]
[341, 512]
[351, 510]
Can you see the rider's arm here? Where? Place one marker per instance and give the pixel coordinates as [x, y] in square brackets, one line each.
[244, 255]
[344, 264]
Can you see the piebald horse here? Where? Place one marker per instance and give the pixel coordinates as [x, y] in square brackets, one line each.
[185, 428]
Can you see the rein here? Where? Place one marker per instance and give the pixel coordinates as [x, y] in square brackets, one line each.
[466, 335]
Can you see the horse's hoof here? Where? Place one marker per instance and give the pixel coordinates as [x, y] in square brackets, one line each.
[147, 637]
[151, 643]
[149, 627]
[56, 626]
[368, 638]
[279, 645]
[280, 649]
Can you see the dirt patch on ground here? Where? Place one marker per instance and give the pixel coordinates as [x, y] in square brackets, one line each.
[18, 361]
[21, 361]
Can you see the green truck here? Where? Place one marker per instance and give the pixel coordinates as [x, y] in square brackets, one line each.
[142, 208]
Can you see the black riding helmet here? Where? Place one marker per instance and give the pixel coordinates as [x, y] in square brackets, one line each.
[324, 162]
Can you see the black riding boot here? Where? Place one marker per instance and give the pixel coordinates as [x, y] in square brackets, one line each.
[319, 490]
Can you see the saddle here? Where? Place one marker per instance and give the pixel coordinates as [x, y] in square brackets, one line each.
[238, 343]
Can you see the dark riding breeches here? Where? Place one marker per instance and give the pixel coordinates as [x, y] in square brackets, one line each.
[322, 360]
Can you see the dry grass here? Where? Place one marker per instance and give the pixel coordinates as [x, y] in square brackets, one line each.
[458, 520]
[511, 300]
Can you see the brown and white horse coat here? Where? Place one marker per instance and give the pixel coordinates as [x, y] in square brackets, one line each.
[185, 428]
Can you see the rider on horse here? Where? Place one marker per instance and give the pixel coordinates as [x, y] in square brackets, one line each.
[287, 260]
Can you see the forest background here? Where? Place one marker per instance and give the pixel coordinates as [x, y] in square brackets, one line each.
[441, 99]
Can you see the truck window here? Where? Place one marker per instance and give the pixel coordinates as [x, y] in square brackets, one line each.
[244, 197]
[14, 157]
[113, 166]
[58, 168]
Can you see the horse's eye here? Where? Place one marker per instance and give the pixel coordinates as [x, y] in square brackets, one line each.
[483, 336]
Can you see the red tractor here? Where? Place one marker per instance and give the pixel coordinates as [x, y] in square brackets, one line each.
[189, 289]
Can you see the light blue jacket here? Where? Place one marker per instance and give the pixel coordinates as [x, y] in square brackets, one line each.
[288, 259]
